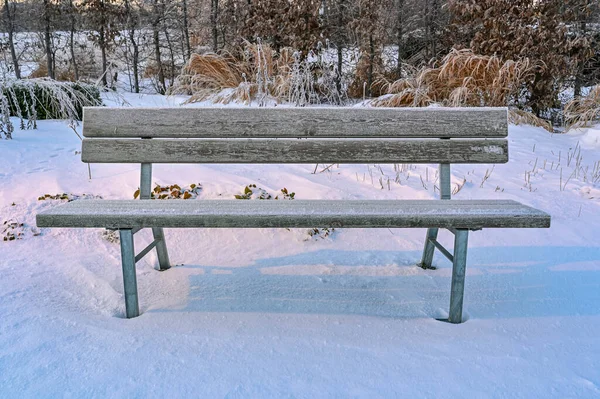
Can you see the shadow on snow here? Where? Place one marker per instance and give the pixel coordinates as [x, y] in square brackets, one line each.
[524, 282]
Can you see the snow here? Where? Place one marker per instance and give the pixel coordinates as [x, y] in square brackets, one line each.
[263, 313]
[589, 137]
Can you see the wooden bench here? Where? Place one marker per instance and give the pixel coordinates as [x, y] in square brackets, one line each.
[295, 135]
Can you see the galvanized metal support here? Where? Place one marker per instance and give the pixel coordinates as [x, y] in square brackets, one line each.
[129, 276]
[145, 251]
[445, 181]
[443, 250]
[157, 232]
[432, 233]
[146, 181]
[429, 249]
[161, 248]
[459, 266]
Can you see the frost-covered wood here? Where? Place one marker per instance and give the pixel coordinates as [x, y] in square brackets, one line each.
[296, 122]
[328, 135]
[294, 151]
[470, 214]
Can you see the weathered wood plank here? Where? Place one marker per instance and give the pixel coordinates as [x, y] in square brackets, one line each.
[295, 122]
[298, 213]
[294, 151]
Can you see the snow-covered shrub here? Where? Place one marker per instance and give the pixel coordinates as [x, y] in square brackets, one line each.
[111, 236]
[36, 99]
[11, 230]
[252, 192]
[68, 197]
[319, 233]
[173, 191]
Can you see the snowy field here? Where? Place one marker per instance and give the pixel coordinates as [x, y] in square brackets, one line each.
[279, 314]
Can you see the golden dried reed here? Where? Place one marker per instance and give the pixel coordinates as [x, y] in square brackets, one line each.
[583, 111]
[462, 79]
[520, 117]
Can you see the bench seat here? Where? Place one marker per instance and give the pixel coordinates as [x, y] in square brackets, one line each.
[457, 214]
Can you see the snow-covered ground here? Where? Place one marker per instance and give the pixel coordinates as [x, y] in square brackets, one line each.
[272, 313]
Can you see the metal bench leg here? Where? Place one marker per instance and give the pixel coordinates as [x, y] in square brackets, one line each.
[429, 248]
[129, 277]
[458, 275]
[161, 248]
[157, 232]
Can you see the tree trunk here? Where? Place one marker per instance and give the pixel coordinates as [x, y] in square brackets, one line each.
[135, 61]
[10, 27]
[131, 27]
[156, 37]
[399, 33]
[186, 30]
[371, 62]
[72, 40]
[48, 40]
[433, 21]
[427, 21]
[580, 65]
[214, 13]
[340, 64]
[172, 56]
[102, 42]
[339, 38]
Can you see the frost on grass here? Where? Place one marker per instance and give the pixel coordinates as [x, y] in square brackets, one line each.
[253, 192]
[31, 100]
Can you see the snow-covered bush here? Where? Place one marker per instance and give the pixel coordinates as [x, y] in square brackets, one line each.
[68, 197]
[36, 99]
[173, 191]
[253, 192]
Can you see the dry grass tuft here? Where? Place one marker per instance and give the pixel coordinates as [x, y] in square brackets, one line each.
[41, 71]
[520, 117]
[461, 79]
[257, 73]
[207, 74]
[583, 111]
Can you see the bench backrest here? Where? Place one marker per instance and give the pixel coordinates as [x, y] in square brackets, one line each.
[295, 135]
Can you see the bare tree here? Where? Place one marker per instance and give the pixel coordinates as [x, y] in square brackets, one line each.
[100, 16]
[9, 16]
[214, 17]
[186, 28]
[131, 22]
[47, 17]
[71, 11]
[157, 17]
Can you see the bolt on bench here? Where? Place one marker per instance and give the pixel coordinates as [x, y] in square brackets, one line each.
[295, 135]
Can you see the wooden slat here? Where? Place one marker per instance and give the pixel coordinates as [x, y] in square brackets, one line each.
[294, 151]
[295, 122]
[298, 213]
